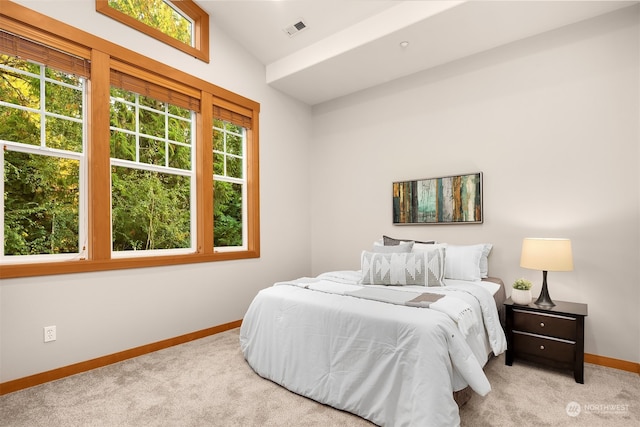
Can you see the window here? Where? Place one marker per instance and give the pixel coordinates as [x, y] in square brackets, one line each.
[112, 160]
[152, 170]
[181, 24]
[42, 132]
[229, 193]
[159, 14]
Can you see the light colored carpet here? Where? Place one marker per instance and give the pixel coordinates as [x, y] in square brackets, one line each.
[208, 383]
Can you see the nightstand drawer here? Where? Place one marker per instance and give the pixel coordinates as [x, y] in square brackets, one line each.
[558, 350]
[545, 324]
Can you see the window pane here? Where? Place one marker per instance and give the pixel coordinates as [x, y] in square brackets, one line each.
[62, 76]
[19, 126]
[41, 204]
[19, 64]
[122, 114]
[234, 144]
[233, 128]
[64, 100]
[218, 164]
[180, 130]
[150, 210]
[152, 123]
[157, 14]
[218, 141]
[227, 216]
[27, 85]
[145, 101]
[234, 167]
[179, 156]
[123, 146]
[122, 94]
[180, 112]
[64, 134]
[151, 151]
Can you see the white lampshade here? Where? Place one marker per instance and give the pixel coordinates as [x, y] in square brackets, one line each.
[546, 254]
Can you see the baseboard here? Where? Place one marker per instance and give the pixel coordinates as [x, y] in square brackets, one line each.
[66, 371]
[612, 363]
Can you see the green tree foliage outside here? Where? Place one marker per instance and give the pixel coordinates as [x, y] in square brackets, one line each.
[150, 209]
[159, 15]
[227, 216]
[228, 146]
[41, 191]
[151, 203]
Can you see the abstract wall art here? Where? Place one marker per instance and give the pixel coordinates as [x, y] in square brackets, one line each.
[447, 200]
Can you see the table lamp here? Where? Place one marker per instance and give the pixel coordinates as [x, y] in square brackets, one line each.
[546, 255]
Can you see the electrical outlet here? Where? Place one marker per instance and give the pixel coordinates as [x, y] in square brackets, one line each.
[49, 333]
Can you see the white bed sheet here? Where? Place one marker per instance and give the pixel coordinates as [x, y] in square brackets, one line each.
[391, 364]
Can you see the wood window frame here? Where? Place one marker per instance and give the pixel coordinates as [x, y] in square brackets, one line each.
[199, 17]
[105, 56]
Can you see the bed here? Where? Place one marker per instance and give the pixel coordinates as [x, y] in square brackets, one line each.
[393, 350]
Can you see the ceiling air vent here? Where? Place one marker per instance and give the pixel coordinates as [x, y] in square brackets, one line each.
[294, 29]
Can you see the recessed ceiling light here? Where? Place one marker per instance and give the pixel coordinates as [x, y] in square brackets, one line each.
[404, 44]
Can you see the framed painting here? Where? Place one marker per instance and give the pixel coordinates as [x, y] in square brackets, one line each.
[448, 200]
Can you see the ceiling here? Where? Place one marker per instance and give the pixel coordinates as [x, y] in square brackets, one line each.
[350, 45]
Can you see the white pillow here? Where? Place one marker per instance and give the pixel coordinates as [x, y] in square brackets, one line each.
[426, 247]
[484, 260]
[416, 268]
[463, 262]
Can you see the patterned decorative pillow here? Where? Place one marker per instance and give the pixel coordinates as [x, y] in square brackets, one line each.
[397, 269]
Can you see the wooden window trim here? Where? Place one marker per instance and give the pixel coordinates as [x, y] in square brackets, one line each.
[188, 7]
[104, 56]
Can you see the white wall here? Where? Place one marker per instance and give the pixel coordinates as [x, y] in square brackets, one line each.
[102, 313]
[552, 122]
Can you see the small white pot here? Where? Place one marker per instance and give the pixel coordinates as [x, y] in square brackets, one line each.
[520, 296]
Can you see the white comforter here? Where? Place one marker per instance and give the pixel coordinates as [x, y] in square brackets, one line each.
[391, 364]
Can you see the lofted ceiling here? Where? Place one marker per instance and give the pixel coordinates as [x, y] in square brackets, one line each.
[350, 45]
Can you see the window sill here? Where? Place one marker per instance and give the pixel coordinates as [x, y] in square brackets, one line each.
[10, 271]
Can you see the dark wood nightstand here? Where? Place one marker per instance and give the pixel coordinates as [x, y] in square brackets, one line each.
[552, 336]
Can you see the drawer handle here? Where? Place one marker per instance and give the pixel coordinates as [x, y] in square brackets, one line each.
[541, 347]
[542, 324]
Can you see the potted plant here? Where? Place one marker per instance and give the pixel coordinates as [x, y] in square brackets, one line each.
[521, 292]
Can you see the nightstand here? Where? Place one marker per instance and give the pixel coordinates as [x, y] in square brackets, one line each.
[551, 336]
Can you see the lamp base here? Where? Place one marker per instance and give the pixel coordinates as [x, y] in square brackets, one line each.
[544, 300]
